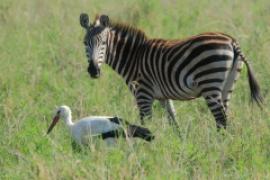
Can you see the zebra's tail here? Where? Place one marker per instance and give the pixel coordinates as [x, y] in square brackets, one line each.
[255, 91]
[140, 132]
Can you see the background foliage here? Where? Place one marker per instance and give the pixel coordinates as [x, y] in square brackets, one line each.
[43, 65]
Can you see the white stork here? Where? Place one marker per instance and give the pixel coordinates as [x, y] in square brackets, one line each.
[105, 127]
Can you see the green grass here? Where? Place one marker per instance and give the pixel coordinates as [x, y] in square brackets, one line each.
[43, 65]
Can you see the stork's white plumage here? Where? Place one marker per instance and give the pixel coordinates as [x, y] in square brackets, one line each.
[102, 126]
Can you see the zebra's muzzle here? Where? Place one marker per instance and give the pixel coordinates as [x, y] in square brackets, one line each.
[93, 70]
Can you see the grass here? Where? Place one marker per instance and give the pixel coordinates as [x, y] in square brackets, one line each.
[43, 65]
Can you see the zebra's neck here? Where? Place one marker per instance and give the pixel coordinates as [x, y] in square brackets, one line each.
[125, 47]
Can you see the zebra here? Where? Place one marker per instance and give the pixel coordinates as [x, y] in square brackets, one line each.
[205, 65]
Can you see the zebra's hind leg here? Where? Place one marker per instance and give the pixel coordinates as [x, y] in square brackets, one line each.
[230, 81]
[217, 108]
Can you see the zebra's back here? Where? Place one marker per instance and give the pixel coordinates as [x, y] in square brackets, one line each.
[188, 68]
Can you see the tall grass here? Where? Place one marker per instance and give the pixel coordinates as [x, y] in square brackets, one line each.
[43, 65]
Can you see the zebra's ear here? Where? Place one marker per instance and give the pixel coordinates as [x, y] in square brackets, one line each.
[104, 20]
[84, 20]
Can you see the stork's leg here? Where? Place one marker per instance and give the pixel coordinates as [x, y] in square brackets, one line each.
[75, 147]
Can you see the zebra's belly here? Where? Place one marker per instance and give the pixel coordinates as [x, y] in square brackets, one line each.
[166, 93]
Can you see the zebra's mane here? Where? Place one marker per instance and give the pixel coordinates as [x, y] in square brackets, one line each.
[131, 30]
[127, 29]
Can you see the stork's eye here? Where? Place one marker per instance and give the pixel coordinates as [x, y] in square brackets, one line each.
[58, 112]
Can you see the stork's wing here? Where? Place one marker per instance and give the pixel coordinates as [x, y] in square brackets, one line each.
[96, 125]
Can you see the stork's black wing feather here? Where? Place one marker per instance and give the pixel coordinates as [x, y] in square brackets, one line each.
[118, 120]
[113, 134]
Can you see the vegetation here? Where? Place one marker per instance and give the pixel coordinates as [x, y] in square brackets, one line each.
[43, 65]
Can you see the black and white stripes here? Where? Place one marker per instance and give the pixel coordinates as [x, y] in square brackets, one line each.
[206, 65]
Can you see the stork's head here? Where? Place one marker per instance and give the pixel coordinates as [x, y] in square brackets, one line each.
[63, 112]
[95, 42]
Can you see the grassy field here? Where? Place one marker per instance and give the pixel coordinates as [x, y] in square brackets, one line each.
[43, 65]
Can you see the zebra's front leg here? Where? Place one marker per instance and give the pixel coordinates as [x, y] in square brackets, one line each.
[169, 107]
[171, 114]
[145, 108]
[144, 103]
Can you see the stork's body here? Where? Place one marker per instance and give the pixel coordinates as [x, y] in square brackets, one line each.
[92, 127]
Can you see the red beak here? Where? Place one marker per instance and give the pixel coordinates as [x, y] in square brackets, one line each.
[55, 120]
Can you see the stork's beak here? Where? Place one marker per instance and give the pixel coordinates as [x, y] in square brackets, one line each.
[55, 120]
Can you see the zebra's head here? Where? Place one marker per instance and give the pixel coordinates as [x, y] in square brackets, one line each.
[95, 42]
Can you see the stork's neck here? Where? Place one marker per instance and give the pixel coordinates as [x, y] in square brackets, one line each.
[68, 119]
